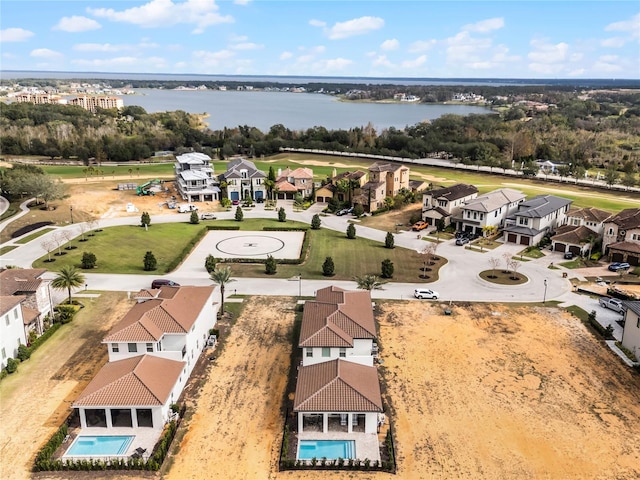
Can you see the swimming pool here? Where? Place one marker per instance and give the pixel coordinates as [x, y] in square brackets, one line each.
[330, 449]
[100, 445]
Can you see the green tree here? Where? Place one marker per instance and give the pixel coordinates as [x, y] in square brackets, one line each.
[150, 262]
[68, 277]
[282, 215]
[386, 268]
[210, 263]
[315, 222]
[239, 214]
[145, 219]
[389, 240]
[611, 176]
[88, 260]
[222, 276]
[629, 179]
[369, 282]
[23, 353]
[328, 268]
[351, 231]
[358, 210]
[270, 266]
[194, 219]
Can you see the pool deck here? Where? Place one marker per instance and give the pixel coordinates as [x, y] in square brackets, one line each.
[144, 438]
[367, 445]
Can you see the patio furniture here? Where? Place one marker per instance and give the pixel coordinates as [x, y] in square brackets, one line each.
[140, 451]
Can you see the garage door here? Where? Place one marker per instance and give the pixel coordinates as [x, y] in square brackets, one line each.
[512, 237]
[617, 257]
[575, 250]
[524, 240]
[635, 261]
[560, 247]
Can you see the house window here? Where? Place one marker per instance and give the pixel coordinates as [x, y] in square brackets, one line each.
[637, 325]
[442, 203]
[4, 353]
[149, 347]
[133, 347]
[343, 352]
[15, 313]
[309, 352]
[258, 181]
[523, 221]
[482, 216]
[475, 215]
[158, 346]
[496, 214]
[611, 231]
[326, 351]
[115, 348]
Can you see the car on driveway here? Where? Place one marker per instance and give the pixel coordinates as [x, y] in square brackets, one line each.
[568, 256]
[612, 304]
[421, 293]
[419, 226]
[208, 216]
[163, 282]
[344, 211]
[462, 241]
[614, 267]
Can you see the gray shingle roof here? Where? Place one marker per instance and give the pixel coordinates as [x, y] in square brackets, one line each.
[493, 200]
[541, 206]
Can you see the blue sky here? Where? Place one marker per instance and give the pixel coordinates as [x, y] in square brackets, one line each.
[473, 39]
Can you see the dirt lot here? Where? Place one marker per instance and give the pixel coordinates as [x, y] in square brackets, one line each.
[488, 392]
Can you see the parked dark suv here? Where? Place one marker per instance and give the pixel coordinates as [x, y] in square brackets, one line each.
[163, 282]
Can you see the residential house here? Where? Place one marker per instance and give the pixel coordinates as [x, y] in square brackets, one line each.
[195, 180]
[29, 284]
[152, 352]
[385, 180]
[301, 179]
[631, 332]
[535, 218]
[441, 203]
[355, 180]
[488, 210]
[583, 228]
[337, 396]
[621, 237]
[338, 324]
[12, 332]
[244, 180]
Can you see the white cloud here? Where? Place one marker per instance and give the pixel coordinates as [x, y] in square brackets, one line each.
[416, 62]
[76, 24]
[15, 35]
[463, 48]
[146, 63]
[613, 42]
[247, 46]
[318, 49]
[286, 55]
[357, 26]
[632, 25]
[242, 2]
[305, 58]
[421, 46]
[45, 53]
[546, 53]
[388, 45]
[382, 61]
[109, 47]
[8, 55]
[165, 13]
[335, 64]
[608, 63]
[317, 23]
[212, 59]
[238, 38]
[485, 26]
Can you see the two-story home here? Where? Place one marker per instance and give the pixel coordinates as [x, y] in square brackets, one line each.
[29, 284]
[354, 181]
[152, 352]
[195, 180]
[385, 180]
[338, 324]
[488, 210]
[631, 332]
[583, 228]
[244, 180]
[12, 332]
[621, 237]
[441, 203]
[536, 218]
[291, 182]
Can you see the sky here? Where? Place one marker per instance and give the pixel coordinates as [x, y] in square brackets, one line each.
[541, 39]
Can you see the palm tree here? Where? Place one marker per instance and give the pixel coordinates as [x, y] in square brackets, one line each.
[369, 282]
[68, 277]
[222, 276]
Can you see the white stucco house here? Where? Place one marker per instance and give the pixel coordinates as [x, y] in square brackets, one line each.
[536, 218]
[488, 210]
[621, 237]
[338, 324]
[12, 332]
[34, 290]
[244, 180]
[445, 203]
[152, 352]
[195, 179]
[631, 333]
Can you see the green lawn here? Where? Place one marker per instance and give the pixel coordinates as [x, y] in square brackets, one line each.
[28, 238]
[122, 249]
[7, 249]
[138, 171]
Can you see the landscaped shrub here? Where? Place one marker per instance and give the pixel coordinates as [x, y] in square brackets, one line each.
[351, 231]
[88, 260]
[12, 365]
[43, 459]
[389, 240]
[64, 313]
[150, 262]
[225, 202]
[328, 268]
[315, 222]
[194, 219]
[145, 219]
[42, 338]
[282, 215]
[239, 216]
[270, 265]
[23, 353]
[386, 268]
[358, 210]
[210, 263]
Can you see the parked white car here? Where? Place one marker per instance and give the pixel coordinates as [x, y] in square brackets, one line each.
[612, 304]
[425, 293]
[187, 207]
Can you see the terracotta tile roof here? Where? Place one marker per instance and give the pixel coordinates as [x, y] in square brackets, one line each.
[337, 386]
[284, 186]
[29, 315]
[171, 310]
[19, 280]
[630, 247]
[386, 167]
[7, 302]
[336, 318]
[627, 219]
[145, 380]
[300, 172]
[589, 214]
[574, 235]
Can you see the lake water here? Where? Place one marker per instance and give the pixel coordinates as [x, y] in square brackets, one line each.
[296, 111]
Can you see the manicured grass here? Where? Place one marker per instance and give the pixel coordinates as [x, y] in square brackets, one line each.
[503, 278]
[119, 172]
[122, 249]
[7, 249]
[530, 253]
[578, 312]
[14, 207]
[28, 238]
[575, 263]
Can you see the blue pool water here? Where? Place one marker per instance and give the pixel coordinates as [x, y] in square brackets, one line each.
[329, 449]
[93, 445]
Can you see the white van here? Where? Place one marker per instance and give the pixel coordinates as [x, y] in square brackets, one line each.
[187, 207]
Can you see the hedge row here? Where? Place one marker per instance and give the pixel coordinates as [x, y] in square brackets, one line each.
[42, 338]
[185, 251]
[336, 464]
[223, 227]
